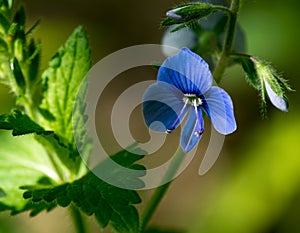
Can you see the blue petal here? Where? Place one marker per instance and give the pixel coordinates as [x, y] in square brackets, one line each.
[192, 130]
[163, 107]
[219, 108]
[276, 100]
[187, 71]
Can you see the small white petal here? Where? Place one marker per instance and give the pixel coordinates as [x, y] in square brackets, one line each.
[276, 100]
[172, 13]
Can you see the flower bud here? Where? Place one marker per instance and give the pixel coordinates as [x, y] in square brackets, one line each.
[188, 12]
[272, 84]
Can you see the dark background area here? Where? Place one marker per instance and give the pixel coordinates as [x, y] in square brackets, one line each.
[254, 186]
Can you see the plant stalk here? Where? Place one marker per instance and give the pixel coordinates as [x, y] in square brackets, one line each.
[77, 220]
[160, 191]
[229, 39]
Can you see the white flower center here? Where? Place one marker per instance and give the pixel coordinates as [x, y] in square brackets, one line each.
[192, 99]
[195, 101]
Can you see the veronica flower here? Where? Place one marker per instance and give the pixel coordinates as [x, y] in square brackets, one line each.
[184, 87]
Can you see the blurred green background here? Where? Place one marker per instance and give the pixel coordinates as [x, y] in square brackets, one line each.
[255, 185]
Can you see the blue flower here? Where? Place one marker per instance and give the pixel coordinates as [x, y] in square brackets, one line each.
[184, 86]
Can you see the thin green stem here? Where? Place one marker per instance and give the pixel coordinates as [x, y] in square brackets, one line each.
[160, 191]
[242, 55]
[239, 55]
[78, 220]
[222, 8]
[27, 103]
[229, 38]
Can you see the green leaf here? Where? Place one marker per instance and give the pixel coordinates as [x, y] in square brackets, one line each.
[263, 104]
[3, 46]
[250, 71]
[19, 123]
[25, 161]
[18, 74]
[22, 161]
[69, 167]
[116, 175]
[108, 203]
[34, 60]
[6, 3]
[4, 22]
[20, 17]
[61, 82]
[13, 29]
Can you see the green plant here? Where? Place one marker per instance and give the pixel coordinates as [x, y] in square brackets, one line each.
[40, 166]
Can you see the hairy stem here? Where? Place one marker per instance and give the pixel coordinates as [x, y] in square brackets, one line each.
[229, 38]
[77, 220]
[160, 191]
[27, 103]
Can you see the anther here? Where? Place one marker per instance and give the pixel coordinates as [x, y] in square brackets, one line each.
[198, 133]
[168, 131]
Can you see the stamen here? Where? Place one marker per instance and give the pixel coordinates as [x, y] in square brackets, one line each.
[193, 99]
[197, 133]
[168, 131]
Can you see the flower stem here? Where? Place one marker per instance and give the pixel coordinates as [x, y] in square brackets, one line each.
[77, 220]
[160, 191]
[229, 38]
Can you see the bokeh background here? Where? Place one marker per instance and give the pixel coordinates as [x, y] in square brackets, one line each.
[255, 185]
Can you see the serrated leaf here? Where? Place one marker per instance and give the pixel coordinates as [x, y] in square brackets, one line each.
[19, 123]
[108, 203]
[121, 177]
[61, 82]
[22, 161]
